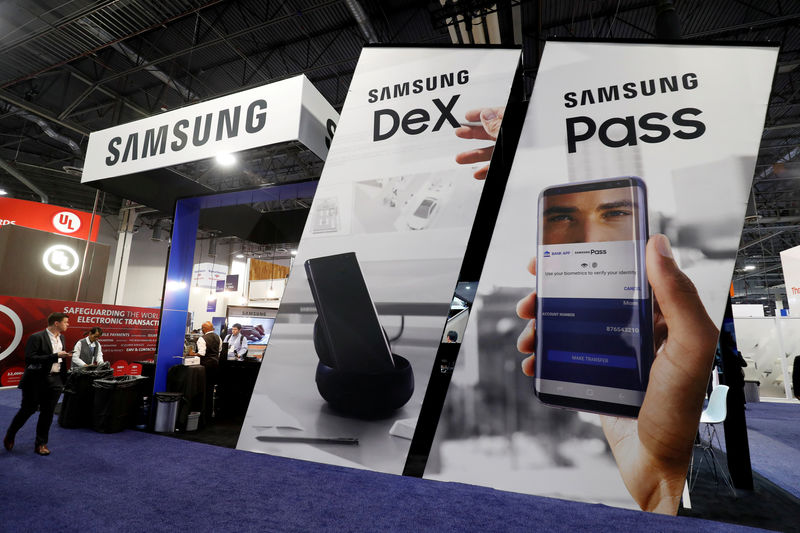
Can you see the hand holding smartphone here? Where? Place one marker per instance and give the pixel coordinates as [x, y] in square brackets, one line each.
[594, 320]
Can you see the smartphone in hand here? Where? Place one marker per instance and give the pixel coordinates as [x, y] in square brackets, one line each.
[594, 318]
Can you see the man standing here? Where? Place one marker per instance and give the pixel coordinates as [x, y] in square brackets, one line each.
[209, 344]
[87, 351]
[42, 381]
[208, 347]
[237, 343]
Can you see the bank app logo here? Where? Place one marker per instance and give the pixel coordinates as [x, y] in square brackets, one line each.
[546, 253]
[60, 260]
[66, 222]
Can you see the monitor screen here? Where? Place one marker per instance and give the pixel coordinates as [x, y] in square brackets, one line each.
[255, 329]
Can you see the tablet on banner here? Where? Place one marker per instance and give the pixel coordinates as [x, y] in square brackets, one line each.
[617, 137]
[355, 340]
[129, 333]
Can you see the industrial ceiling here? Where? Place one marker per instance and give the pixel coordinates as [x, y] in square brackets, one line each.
[70, 67]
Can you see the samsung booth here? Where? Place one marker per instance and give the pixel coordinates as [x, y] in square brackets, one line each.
[458, 227]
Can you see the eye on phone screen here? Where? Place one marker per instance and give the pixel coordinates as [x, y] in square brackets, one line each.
[594, 317]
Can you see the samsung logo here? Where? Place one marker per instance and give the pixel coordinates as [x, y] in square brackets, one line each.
[216, 126]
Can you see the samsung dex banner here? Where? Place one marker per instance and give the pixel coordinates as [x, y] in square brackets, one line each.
[790, 262]
[343, 378]
[50, 218]
[287, 110]
[620, 142]
[129, 333]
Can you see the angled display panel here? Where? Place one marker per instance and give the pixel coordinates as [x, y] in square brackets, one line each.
[383, 242]
[621, 140]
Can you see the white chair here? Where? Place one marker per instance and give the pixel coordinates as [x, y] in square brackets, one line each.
[714, 414]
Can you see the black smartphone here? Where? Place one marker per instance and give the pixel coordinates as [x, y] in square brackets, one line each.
[594, 317]
[348, 319]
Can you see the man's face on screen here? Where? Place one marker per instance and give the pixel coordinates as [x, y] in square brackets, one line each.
[590, 216]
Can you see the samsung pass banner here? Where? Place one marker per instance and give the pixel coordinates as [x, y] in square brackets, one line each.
[620, 141]
[790, 262]
[344, 375]
[129, 333]
[50, 218]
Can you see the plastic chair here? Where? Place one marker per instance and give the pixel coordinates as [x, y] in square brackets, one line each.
[715, 413]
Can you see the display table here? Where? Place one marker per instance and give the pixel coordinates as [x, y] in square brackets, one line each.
[191, 382]
[237, 379]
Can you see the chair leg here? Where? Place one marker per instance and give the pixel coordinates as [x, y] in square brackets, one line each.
[723, 471]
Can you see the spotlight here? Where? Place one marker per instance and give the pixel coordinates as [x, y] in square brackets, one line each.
[239, 256]
[294, 252]
[750, 267]
[226, 159]
[3, 192]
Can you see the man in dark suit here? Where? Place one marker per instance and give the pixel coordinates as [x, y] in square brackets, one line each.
[42, 381]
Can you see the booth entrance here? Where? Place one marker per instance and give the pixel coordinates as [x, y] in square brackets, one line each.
[236, 175]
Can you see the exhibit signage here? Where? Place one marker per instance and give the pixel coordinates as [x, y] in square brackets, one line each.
[207, 275]
[288, 110]
[790, 262]
[47, 217]
[129, 333]
[385, 236]
[621, 141]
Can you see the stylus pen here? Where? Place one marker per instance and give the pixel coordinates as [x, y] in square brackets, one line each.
[309, 440]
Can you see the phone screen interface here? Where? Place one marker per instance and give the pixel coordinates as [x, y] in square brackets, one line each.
[594, 319]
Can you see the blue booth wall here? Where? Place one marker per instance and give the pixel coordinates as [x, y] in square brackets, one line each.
[180, 264]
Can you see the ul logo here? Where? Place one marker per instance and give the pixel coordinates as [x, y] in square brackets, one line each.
[60, 260]
[66, 222]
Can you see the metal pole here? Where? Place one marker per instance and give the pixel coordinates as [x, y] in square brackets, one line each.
[88, 241]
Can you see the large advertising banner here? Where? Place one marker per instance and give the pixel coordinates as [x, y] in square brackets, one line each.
[621, 141]
[379, 258]
[790, 263]
[129, 333]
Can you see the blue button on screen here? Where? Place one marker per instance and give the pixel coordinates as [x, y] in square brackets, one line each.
[618, 361]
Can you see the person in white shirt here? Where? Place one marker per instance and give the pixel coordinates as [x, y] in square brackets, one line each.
[237, 343]
[42, 381]
[87, 351]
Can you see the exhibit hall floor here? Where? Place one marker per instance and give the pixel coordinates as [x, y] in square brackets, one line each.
[138, 481]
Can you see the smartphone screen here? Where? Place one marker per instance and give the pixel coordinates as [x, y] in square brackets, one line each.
[594, 321]
[349, 320]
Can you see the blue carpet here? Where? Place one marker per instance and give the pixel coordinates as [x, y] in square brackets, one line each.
[773, 430]
[134, 481]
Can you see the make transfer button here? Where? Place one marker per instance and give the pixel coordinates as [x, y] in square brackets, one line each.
[596, 359]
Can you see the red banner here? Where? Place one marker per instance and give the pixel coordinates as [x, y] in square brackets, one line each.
[46, 217]
[129, 333]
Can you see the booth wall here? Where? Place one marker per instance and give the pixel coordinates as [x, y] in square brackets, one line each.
[759, 340]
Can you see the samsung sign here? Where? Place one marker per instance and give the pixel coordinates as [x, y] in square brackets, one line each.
[289, 110]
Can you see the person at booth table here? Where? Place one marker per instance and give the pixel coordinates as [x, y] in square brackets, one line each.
[237, 343]
[208, 348]
[87, 351]
[208, 345]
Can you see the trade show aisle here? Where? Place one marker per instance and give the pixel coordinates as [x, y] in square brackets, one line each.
[135, 481]
[773, 430]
